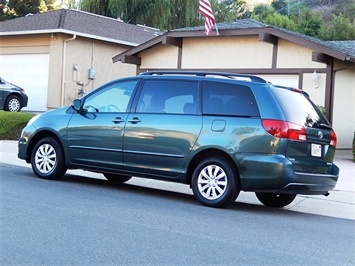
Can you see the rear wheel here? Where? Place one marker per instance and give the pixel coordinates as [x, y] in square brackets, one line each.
[275, 200]
[47, 159]
[13, 104]
[214, 183]
[117, 179]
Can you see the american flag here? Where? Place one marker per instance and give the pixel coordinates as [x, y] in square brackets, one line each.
[205, 10]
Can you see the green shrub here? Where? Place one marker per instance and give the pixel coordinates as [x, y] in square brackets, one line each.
[12, 123]
[322, 109]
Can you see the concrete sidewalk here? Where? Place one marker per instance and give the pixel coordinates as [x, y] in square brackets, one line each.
[340, 203]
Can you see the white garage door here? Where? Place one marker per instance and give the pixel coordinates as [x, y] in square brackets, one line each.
[30, 72]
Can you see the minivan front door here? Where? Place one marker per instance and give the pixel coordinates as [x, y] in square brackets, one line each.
[95, 134]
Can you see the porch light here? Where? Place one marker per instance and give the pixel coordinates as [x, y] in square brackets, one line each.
[315, 81]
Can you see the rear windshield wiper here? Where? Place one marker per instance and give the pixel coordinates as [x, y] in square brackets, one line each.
[325, 126]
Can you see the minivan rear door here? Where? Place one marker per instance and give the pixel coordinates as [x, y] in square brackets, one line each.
[314, 147]
[163, 128]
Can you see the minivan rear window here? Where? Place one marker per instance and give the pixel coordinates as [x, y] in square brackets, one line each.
[299, 109]
[228, 99]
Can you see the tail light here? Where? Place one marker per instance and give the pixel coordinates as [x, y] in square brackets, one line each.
[285, 130]
[333, 139]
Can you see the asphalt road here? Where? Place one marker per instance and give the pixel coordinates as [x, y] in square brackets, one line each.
[86, 221]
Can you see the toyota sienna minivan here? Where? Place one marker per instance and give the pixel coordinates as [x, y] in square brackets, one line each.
[220, 133]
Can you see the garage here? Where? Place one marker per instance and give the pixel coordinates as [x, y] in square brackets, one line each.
[29, 71]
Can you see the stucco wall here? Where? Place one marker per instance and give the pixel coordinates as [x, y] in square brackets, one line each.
[290, 55]
[160, 56]
[226, 52]
[317, 94]
[85, 54]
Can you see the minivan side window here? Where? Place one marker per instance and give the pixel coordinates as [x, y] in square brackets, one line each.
[168, 96]
[228, 99]
[114, 98]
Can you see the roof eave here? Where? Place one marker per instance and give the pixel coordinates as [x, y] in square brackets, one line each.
[81, 34]
[137, 49]
[311, 44]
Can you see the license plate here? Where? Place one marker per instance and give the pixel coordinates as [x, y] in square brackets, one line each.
[316, 150]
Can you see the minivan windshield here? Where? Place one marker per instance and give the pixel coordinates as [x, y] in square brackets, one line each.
[299, 109]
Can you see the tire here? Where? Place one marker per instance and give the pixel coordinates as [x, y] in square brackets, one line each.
[47, 159]
[275, 200]
[117, 179]
[215, 183]
[13, 104]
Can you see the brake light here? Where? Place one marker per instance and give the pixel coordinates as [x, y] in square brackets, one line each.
[285, 130]
[333, 139]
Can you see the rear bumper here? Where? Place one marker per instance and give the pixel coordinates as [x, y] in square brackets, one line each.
[274, 174]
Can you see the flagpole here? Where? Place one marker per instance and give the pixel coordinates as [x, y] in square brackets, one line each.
[217, 32]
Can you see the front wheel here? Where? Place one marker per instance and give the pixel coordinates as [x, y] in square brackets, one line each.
[275, 200]
[47, 159]
[214, 183]
[13, 104]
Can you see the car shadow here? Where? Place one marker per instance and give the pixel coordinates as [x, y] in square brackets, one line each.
[185, 198]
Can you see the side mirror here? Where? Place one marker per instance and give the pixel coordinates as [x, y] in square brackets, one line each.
[76, 105]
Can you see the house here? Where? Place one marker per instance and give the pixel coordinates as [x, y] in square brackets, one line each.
[326, 70]
[59, 55]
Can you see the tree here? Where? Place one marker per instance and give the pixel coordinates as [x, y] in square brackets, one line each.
[310, 23]
[228, 10]
[268, 15]
[3, 6]
[162, 14]
[339, 29]
[19, 8]
[347, 9]
[280, 6]
[100, 7]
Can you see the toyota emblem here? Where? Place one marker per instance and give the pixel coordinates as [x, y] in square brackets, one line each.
[320, 134]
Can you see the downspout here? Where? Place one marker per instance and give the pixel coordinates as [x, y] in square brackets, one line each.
[62, 94]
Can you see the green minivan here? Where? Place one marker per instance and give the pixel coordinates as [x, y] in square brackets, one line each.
[221, 133]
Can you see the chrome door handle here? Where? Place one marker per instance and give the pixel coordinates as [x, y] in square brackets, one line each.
[118, 120]
[135, 120]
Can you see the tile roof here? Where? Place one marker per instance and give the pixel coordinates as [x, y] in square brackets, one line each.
[80, 23]
[347, 47]
[232, 25]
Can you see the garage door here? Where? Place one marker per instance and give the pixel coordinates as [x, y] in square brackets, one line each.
[30, 72]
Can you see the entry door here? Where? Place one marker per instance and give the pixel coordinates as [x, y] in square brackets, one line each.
[161, 133]
[95, 134]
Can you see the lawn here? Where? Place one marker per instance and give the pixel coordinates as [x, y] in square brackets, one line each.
[12, 123]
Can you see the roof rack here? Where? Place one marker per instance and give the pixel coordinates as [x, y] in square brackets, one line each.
[204, 74]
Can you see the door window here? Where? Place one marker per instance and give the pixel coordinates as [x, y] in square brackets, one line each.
[114, 97]
[168, 96]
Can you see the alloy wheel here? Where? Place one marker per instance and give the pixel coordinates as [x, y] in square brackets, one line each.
[212, 182]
